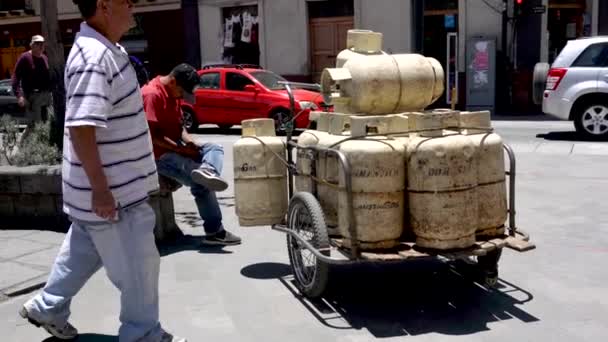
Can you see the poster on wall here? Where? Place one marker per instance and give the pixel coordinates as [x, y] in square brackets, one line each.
[481, 73]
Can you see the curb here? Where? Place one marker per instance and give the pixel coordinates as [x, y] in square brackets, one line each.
[24, 287]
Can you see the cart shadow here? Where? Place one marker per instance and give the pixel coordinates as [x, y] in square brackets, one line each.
[414, 298]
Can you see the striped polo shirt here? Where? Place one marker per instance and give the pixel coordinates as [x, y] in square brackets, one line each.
[102, 91]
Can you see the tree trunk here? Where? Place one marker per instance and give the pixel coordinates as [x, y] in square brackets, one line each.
[54, 49]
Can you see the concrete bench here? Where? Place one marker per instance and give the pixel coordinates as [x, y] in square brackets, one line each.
[162, 202]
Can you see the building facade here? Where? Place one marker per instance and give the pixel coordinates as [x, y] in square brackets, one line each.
[166, 32]
[488, 47]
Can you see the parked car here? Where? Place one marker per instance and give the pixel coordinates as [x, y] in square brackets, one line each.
[575, 86]
[8, 101]
[229, 94]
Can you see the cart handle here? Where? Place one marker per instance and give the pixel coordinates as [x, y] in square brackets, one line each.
[511, 173]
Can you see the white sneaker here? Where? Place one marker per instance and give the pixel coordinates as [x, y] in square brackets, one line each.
[67, 332]
[209, 180]
[170, 338]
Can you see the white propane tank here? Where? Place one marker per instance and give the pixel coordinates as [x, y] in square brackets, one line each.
[303, 181]
[358, 43]
[491, 189]
[378, 182]
[328, 168]
[384, 84]
[260, 176]
[442, 184]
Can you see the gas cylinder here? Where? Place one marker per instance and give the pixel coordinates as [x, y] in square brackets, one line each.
[260, 175]
[491, 189]
[328, 169]
[303, 181]
[378, 182]
[442, 184]
[360, 42]
[384, 84]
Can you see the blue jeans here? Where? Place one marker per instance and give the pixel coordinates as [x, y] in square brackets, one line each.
[178, 168]
[127, 251]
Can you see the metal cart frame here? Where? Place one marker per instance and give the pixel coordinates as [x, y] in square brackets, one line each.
[332, 251]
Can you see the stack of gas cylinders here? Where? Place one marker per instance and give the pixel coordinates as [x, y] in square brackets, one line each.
[435, 177]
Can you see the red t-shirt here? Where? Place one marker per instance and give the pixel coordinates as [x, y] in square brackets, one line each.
[163, 112]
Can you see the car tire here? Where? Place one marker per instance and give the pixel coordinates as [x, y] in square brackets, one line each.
[591, 120]
[539, 82]
[277, 116]
[189, 120]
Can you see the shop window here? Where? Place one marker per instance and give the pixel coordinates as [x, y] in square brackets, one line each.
[594, 56]
[210, 80]
[241, 35]
[9, 5]
[236, 81]
[567, 20]
[335, 8]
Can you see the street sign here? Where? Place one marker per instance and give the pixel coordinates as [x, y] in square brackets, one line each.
[539, 9]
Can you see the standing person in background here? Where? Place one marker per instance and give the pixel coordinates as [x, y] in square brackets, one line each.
[32, 84]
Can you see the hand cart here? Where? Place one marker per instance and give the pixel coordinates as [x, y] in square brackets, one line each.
[312, 251]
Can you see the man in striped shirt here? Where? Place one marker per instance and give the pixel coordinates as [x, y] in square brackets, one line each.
[108, 171]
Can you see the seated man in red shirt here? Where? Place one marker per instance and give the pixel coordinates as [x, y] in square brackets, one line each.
[178, 157]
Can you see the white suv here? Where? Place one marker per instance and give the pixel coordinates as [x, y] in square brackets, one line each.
[575, 87]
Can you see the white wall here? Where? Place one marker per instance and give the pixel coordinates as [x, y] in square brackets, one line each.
[283, 33]
[483, 19]
[393, 18]
[210, 23]
[286, 36]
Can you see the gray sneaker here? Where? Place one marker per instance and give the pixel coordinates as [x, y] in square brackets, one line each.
[223, 238]
[170, 338]
[67, 332]
[209, 180]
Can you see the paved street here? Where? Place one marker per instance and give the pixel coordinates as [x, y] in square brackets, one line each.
[244, 293]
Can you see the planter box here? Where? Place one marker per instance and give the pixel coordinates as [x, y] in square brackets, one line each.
[31, 197]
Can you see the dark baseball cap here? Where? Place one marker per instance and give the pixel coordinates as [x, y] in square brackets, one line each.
[186, 77]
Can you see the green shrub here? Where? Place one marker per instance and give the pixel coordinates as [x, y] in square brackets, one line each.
[35, 150]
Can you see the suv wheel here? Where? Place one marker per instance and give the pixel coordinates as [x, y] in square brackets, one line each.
[189, 120]
[539, 81]
[591, 121]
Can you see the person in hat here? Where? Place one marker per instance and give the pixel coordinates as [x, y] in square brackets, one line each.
[108, 173]
[32, 83]
[179, 157]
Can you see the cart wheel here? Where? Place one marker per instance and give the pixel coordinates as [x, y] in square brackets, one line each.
[488, 265]
[305, 216]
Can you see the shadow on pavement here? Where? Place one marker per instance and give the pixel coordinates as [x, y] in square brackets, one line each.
[266, 270]
[188, 243]
[523, 117]
[87, 338]
[414, 298]
[568, 136]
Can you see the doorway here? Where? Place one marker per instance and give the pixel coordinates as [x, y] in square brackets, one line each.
[329, 22]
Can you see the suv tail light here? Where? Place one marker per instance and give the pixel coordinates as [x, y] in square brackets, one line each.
[555, 76]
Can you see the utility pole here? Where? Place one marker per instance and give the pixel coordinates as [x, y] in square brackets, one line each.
[54, 48]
